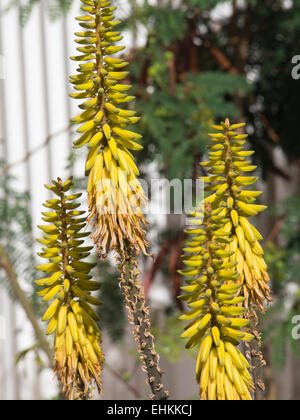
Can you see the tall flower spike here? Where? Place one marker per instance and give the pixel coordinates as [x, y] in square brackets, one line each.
[215, 312]
[114, 193]
[230, 199]
[69, 287]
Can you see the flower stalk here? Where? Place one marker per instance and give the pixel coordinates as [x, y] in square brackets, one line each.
[114, 193]
[226, 275]
[216, 324]
[115, 196]
[230, 197]
[138, 315]
[68, 289]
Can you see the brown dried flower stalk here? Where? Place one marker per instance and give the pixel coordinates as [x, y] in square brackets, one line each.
[138, 315]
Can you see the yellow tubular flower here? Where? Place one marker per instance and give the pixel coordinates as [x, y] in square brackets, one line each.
[68, 287]
[215, 322]
[114, 193]
[232, 200]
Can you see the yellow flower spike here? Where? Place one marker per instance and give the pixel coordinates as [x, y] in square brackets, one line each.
[234, 196]
[115, 196]
[104, 130]
[68, 288]
[214, 321]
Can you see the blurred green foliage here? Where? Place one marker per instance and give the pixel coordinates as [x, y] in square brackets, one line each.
[176, 124]
[16, 230]
[111, 311]
[206, 4]
[56, 8]
[167, 339]
[283, 258]
[240, 64]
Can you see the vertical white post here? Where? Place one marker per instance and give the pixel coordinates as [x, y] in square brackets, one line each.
[9, 380]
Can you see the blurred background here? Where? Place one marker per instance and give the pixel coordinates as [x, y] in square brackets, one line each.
[192, 62]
